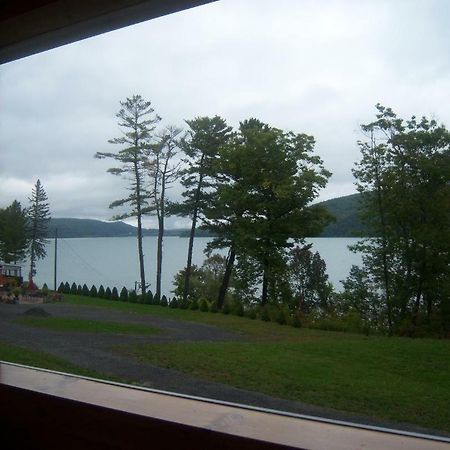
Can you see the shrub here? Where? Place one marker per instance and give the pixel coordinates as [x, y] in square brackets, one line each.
[93, 292]
[132, 296]
[101, 291]
[226, 309]
[203, 305]
[79, 290]
[265, 316]
[114, 294]
[193, 304]
[164, 301]
[148, 298]
[237, 308]
[85, 290]
[156, 300]
[296, 322]
[66, 288]
[44, 290]
[61, 287]
[123, 295]
[280, 317]
[73, 289]
[183, 304]
[108, 293]
[174, 303]
[251, 313]
[213, 308]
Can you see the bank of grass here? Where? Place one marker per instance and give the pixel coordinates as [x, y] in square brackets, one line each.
[86, 326]
[394, 379]
[248, 328]
[21, 355]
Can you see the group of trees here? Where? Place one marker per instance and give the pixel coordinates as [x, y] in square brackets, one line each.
[23, 231]
[250, 187]
[404, 175]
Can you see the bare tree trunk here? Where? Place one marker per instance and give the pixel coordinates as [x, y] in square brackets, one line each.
[159, 255]
[187, 278]
[139, 226]
[226, 278]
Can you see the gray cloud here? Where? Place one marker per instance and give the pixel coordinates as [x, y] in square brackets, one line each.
[313, 67]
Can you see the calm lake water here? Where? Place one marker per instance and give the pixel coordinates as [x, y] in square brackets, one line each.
[114, 262]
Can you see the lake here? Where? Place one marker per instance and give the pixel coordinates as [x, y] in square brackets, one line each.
[114, 262]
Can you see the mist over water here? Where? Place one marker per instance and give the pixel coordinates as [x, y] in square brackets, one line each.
[113, 261]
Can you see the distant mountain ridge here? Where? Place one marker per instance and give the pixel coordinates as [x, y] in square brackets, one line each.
[345, 209]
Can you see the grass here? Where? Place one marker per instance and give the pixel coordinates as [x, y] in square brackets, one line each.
[86, 326]
[395, 379]
[21, 355]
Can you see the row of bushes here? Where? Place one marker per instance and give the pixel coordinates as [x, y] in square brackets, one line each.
[268, 313]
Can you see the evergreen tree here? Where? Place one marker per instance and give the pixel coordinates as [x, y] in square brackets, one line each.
[205, 136]
[108, 293]
[85, 290]
[61, 287]
[79, 290]
[114, 294]
[101, 291]
[38, 218]
[93, 291]
[136, 120]
[73, 289]
[123, 294]
[132, 296]
[13, 233]
[66, 288]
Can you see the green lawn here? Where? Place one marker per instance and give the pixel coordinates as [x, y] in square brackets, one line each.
[21, 355]
[86, 326]
[396, 379]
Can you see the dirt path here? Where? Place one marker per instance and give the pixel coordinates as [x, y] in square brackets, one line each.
[93, 351]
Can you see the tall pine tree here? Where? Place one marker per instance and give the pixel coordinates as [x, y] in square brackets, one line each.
[38, 219]
[136, 121]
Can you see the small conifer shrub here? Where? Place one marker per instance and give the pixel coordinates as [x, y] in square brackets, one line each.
[73, 289]
[174, 303]
[93, 292]
[123, 297]
[132, 296]
[213, 308]
[66, 288]
[79, 290]
[108, 293]
[203, 305]
[164, 301]
[85, 290]
[101, 291]
[193, 304]
[114, 294]
[149, 298]
[61, 287]
[226, 309]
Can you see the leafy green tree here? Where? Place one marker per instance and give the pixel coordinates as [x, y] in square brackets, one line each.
[204, 138]
[136, 121]
[404, 174]
[13, 233]
[308, 279]
[164, 172]
[38, 219]
[268, 178]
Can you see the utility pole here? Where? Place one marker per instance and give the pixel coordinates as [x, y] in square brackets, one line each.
[56, 258]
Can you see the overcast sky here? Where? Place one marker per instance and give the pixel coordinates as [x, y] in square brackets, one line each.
[317, 67]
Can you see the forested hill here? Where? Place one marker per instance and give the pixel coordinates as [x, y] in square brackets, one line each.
[70, 228]
[345, 209]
